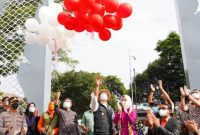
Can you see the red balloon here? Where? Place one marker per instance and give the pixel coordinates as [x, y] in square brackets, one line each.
[109, 21]
[97, 8]
[111, 6]
[118, 24]
[62, 16]
[71, 23]
[80, 28]
[86, 4]
[125, 10]
[105, 34]
[82, 16]
[96, 21]
[100, 1]
[89, 28]
[71, 5]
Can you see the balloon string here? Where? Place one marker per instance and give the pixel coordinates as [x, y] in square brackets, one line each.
[92, 35]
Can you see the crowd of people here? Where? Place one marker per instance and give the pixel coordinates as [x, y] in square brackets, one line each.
[163, 117]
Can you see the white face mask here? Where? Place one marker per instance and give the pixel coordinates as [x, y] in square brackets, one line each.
[67, 104]
[31, 109]
[196, 95]
[103, 97]
[162, 113]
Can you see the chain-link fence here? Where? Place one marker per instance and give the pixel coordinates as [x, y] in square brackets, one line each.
[12, 18]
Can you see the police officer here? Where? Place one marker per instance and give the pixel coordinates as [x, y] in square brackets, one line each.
[11, 122]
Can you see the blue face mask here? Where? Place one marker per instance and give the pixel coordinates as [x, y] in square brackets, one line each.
[155, 109]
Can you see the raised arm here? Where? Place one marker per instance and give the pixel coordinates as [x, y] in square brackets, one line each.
[191, 98]
[97, 85]
[152, 90]
[94, 96]
[183, 107]
[57, 101]
[165, 95]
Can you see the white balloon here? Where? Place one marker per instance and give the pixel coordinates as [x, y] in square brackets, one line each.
[56, 8]
[30, 38]
[32, 25]
[52, 21]
[61, 43]
[56, 34]
[44, 13]
[43, 40]
[44, 30]
[69, 33]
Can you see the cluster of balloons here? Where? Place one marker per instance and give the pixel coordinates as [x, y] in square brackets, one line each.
[48, 31]
[94, 16]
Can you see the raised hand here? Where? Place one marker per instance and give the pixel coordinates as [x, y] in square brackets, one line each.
[98, 81]
[160, 85]
[152, 88]
[186, 90]
[150, 120]
[182, 92]
[191, 125]
[57, 95]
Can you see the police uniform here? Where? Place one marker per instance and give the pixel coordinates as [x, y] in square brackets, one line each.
[12, 120]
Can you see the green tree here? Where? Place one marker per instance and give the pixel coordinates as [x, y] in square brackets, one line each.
[115, 85]
[79, 85]
[168, 67]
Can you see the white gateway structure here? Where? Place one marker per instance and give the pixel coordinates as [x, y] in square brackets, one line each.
[188, 15]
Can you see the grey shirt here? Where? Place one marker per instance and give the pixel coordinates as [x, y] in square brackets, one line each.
[68, 123]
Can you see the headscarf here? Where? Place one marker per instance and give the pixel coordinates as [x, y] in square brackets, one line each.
[129, 103]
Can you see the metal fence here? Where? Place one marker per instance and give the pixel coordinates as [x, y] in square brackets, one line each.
[13, 14]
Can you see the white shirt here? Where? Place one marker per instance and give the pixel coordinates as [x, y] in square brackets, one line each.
[94, 105]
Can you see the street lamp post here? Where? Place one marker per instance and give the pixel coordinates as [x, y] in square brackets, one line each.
[131, 78]
[135, 85]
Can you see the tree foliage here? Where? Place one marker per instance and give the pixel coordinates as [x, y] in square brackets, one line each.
[168, 67]
[79, 85]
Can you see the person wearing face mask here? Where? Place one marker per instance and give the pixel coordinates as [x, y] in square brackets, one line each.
[103, 112]
[68, 122]
[11, 122]
[193, 109]
[48, 122]
[164, 96]
[125, 117]
[32, 119]
[166, 125]
[4, 104]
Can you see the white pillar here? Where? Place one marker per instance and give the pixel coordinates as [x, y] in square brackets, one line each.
[189, 29]
[35, 78]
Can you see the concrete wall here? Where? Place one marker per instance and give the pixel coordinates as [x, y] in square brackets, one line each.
[35, 78]
[188, 16]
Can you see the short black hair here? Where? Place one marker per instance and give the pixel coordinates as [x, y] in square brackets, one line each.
[168, 106]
